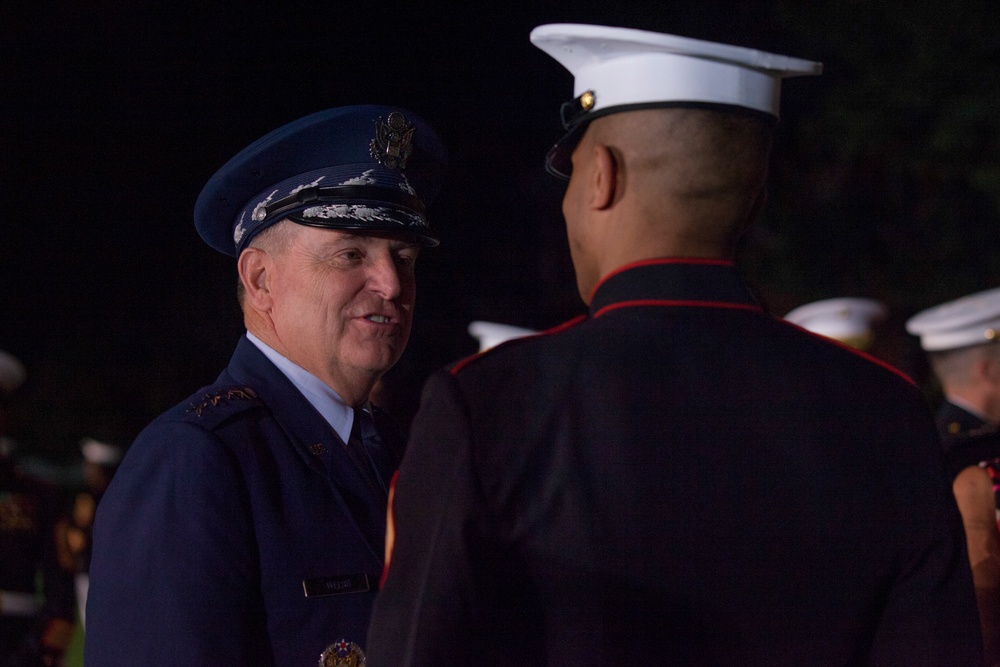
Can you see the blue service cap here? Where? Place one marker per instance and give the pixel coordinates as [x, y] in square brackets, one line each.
[365, 168]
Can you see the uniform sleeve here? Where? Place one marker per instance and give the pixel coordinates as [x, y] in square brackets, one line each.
[973, 491]
[174, 575]
[427, 612]
[930, 615]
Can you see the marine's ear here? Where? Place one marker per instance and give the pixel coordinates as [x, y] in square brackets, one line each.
[603, 178]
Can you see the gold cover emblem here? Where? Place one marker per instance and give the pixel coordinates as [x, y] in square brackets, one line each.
[342, 653]
[393, 142]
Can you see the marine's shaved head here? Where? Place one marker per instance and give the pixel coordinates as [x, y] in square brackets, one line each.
[710, 165]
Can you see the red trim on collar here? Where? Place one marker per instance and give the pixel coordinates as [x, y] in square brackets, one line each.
[661, 260]
[675, 303]
[854, 350]
[556, 329]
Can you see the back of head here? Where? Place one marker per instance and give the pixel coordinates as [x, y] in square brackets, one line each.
[962, 342]
[706, 168]
[955, 368]
[689, 124]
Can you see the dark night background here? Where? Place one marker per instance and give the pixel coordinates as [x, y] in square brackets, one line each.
[885, 179]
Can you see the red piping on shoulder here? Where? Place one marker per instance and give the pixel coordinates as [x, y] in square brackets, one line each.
[556, 329]
[863, 355]
[667, 303]
[661, 260]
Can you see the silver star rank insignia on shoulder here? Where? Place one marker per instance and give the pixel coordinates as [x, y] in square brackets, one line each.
[393, 142]
[226, 395]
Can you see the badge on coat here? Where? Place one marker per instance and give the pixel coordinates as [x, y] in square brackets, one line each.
[342, 653]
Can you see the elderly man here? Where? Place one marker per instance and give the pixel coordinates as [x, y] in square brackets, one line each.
[246, 525]
[676, 477]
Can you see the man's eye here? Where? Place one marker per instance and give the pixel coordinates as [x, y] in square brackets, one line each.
[350, 255]
[406, 260]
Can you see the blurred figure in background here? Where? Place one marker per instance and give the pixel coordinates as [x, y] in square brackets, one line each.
[849, 320]
[34, 629]
[75, 532]
[491, 334]
[962, 342]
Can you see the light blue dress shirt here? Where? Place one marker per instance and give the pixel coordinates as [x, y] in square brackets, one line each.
[327, 402]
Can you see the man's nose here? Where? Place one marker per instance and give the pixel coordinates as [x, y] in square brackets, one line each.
[384, 276]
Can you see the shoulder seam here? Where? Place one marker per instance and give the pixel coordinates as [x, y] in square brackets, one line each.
[859, 353]
[463, 363]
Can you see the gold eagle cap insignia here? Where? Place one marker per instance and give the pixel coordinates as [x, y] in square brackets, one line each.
[393, 142]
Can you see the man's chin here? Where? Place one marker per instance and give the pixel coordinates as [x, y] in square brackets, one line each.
[378, 361]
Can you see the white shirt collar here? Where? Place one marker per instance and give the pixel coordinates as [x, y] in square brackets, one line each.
[338, 414]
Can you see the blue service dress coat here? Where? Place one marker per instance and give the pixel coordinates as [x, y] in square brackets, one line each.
[677, 478]
[237, 531]
[954, 421]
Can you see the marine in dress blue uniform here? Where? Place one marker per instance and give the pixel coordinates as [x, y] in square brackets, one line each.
[670, 478]
[962, 340]
[246, 525]
[850, 320]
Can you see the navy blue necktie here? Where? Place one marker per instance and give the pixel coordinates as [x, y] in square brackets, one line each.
[375, 456]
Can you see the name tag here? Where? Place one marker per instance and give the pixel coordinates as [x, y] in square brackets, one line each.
[321, 586]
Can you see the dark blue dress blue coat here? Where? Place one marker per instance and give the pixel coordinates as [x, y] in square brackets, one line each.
[955, 421]
[676, 479]
[225, 509]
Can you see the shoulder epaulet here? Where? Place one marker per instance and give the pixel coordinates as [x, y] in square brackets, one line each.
[219, 403]
[463, 363]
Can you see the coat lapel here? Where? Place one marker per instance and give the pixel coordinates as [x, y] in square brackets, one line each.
[313, 440]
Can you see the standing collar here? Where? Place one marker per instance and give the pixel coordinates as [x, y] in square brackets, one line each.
[673, 281]
[967, 406]
[327, 402]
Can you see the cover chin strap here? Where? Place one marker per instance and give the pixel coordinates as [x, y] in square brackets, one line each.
[316, 196]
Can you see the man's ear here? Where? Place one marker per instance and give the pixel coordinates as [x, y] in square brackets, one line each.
[603, 178]
[254, 267]
[988, 367]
